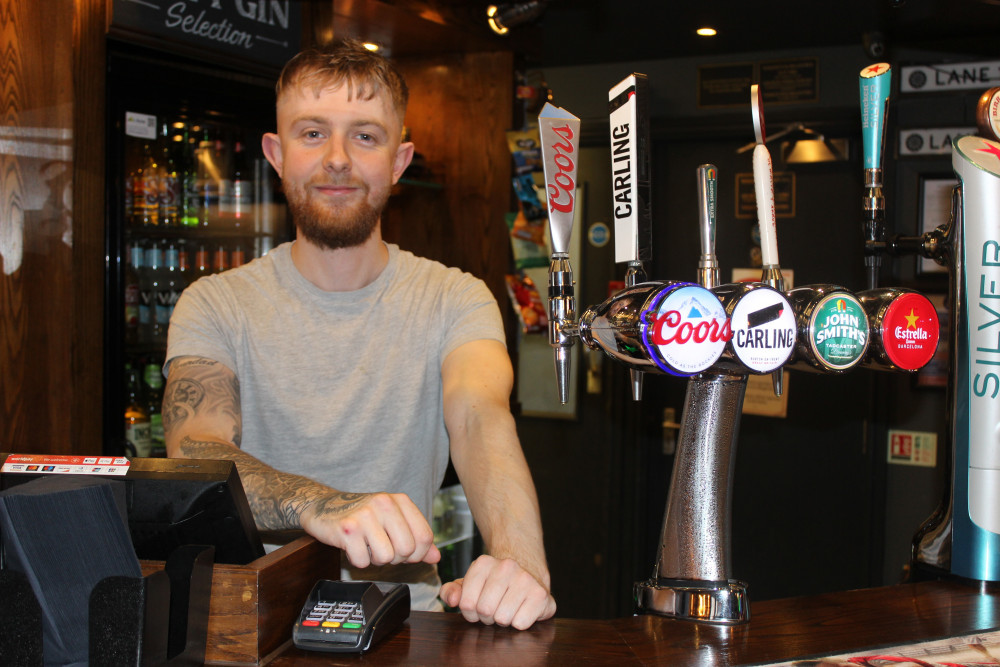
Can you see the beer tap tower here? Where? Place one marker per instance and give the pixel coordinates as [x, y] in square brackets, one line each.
[715, 335]
[962, 537]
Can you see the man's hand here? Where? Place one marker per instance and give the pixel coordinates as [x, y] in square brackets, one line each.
[371, 528]
[500, 592]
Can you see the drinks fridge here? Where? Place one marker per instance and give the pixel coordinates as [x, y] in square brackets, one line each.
[189, 194]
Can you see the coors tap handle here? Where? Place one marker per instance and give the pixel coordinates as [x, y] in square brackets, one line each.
[763, 185]
[628, 104]
[875, 81]
[559, 132]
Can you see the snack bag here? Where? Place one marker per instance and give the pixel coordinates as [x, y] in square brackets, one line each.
[527, 303]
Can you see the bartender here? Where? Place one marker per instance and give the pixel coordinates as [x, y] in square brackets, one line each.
[340, 372]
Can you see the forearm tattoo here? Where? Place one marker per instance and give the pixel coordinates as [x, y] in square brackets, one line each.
[204, 388]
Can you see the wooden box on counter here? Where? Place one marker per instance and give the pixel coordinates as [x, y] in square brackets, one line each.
[254, 606]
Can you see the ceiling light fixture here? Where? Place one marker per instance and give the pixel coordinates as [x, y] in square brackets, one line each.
[502, 18]
[371, 46]
[707, 32]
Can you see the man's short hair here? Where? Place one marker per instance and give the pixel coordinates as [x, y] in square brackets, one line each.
[345, 62]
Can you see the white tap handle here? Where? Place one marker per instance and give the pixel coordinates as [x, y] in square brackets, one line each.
[763, 185]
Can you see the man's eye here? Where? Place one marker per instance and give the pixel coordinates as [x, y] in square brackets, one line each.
[313, 134]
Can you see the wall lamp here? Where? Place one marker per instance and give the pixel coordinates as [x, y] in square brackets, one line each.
[504, 17]
[804, 145]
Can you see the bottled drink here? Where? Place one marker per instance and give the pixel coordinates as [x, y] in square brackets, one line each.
[137, 424]
[146, 304]
[154, 404]
[236, 198]
[167, 297]
[133, 260]
[189, 206]
[208, 180]
[661, 327]
[202, 266]
[223, 178]
[237, 258]
[220, 259]
[170, 184]
[184, 276]
[153, 285]
[146, 193]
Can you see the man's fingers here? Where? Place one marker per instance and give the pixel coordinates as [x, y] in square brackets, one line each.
[380, 530]
[420, 545]
[536, 606]
[472, 588]
[500, 591]
[451, 593]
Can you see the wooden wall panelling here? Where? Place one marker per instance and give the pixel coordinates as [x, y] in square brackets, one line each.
[461, 106]
[37, 282]
[89, 158]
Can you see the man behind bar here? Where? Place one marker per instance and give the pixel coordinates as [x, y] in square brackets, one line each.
[339, 371]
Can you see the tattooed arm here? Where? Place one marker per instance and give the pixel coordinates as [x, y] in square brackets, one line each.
[202, 420]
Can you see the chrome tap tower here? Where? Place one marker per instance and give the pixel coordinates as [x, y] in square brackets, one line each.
[714, 334]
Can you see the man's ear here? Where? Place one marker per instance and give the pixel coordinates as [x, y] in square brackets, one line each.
[404, 155]
[271, 144]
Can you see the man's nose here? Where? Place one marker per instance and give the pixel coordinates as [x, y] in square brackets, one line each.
[337, 157]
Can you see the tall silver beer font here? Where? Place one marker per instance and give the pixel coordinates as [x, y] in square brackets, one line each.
[875, 83]
[962, 537]
[559, 132]
[628, 110]
[763, 186]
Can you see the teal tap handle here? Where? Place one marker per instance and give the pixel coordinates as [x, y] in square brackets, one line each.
[875, 83]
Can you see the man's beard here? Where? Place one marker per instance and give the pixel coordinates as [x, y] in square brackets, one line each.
[332, 227]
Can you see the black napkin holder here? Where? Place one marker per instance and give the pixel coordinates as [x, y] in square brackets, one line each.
[158, 619]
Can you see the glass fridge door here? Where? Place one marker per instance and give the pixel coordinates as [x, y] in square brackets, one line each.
[189, 194]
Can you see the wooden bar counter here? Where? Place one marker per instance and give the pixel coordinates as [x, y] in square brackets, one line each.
[779, 630]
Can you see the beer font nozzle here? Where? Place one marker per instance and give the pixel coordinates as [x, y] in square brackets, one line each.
[875, 81]
[708, 263]
[763, 185]
[628, 103]
[559, 132]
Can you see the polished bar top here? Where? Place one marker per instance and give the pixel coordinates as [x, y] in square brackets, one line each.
[779, 630]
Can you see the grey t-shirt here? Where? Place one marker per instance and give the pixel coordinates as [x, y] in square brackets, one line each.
[342, 387]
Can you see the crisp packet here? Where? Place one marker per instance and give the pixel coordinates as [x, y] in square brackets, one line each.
[527, 303]
[527, 196]
[526, 150]
[527, 241]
